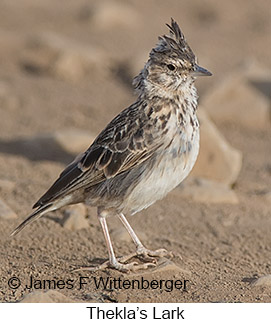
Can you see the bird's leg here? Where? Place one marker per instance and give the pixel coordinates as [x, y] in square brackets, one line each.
[140, 249]
[113, 262]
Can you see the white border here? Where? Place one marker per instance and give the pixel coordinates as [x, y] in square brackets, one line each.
[192, 312]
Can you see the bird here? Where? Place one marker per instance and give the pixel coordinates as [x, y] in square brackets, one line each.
[146, 151]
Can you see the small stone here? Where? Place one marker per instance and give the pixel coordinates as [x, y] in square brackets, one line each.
[55, 145]
[8, 99]
[217, 160]
[6, 212]
[206, 191]
[49, 296]
[6, 184]
[110, 14]
[64, 58]
[69, 66]
[121, 234]
[163, 265]
[36, 59]
[253, 70]
[237, 100]
[73, 141]
[262, 281]
[75, 217]
[267, 197]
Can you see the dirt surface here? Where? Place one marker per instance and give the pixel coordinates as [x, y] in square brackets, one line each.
[219, 248]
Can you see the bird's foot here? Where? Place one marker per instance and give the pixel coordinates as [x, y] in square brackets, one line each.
[132, 266]
[120, 265]
[148, 254]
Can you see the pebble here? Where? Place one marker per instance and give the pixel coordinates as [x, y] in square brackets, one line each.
[7, 184]
[73, 141]
[164, 265]
[262, 281]
[121, 234]
[110, 14]
[49, 296]
[64, 58]
[55, 145]
[6, 212]
[236, 100]
[8, 99]
[217, 160]
[75, 217]
[206, 191]
[267, 197]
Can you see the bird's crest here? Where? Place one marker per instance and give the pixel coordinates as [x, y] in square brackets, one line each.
[174, 44]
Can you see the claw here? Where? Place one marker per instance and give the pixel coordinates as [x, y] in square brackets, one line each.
[133, 266]
[142, 252]
[146, 253]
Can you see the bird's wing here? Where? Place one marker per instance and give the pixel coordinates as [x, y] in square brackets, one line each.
[125, 143]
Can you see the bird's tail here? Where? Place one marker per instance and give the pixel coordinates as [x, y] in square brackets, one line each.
[34, 216]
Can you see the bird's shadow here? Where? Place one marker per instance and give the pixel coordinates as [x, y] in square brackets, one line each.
[36, 149]
[89, 263]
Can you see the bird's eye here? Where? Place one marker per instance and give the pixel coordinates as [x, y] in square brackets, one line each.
[171, 67]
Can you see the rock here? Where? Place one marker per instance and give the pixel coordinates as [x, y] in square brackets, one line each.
[262, 281]
[205, 191]
[73, 141]
[119, 233]
[217, 160]
[75, 217]
[163, 265]
[60, 146]
[63, 58]
[8, 99]
[237, 100]
[6, 212]
[38, 59]
[69, 66]
[49, 296]
[6, 184]
[253, 71]
[110, 14]
[267, 197]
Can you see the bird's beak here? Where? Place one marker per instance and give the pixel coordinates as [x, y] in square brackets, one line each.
[200, 71]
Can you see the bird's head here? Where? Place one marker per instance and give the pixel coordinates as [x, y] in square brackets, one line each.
[171, 63]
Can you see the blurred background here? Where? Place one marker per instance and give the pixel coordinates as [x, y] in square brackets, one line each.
[66, 69]
[62, 61]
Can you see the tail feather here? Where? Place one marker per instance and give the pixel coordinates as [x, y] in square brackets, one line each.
[34, 216]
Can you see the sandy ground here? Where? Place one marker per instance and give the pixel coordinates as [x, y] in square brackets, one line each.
[220, 249]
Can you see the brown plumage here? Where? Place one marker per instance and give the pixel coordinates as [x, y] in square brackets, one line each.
[144, 152]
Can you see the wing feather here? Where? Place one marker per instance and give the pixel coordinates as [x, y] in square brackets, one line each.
[120, 147]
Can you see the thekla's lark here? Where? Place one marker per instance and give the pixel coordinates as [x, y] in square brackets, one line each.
[143, 153]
